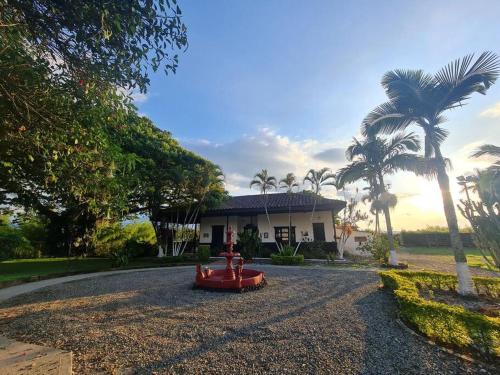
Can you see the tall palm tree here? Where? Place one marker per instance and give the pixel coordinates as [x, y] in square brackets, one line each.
[289, 182]
[417, 98]
[372, 159]
[265, 183]
[318, 179]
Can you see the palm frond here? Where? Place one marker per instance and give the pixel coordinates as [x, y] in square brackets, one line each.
[461, 78]
[487, 149]
[412, 87]
[353, 172]
[386, 118]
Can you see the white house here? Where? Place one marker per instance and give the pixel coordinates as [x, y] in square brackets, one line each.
[248, 212]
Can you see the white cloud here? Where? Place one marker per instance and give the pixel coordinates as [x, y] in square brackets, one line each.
[492, 112]
[138, 97]
[241, 158]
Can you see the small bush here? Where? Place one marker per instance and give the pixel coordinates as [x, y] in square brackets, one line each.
[13, 245]
[120, 258]
[287, 251]
[203, 253]
[318, 249]
[449, 325]
[249, 244]
[285, 260]
[378, 247]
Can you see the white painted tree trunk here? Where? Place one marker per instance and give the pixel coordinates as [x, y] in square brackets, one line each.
[465, 283]
[161, 253]
[393, 258]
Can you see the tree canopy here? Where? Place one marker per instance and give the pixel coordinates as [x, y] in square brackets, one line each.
[72, 146]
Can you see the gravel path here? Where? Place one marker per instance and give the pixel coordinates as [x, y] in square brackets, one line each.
[439, 263]
[308, 320]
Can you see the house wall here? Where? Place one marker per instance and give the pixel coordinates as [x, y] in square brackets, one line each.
[302, 223]
[206, 227]
[351, 246]
[300, 220]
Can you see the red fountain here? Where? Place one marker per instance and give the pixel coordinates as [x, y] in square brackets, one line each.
[229, 279]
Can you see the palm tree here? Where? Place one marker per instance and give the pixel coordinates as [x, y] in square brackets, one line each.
[375, 206]
[320, 178]
[265, 183]
[417, 98]
[289, 182]
[371, 160]
[490, 150]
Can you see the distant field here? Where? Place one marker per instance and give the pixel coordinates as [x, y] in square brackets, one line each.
[26, 269]
[474, 256]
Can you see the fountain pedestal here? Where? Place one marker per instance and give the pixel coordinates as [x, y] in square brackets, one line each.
[229, 279]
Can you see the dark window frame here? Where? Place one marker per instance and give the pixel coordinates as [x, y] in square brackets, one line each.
[278, 234]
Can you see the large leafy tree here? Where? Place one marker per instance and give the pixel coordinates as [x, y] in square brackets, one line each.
[71, 172]
[374, 158]
[420, 99]
[170, 184]
[116, 42]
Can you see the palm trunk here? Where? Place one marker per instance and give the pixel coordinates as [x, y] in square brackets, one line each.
[465, 284]
[269, 222]
[393, 258]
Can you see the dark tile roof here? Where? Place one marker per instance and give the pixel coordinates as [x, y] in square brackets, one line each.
[277, 202]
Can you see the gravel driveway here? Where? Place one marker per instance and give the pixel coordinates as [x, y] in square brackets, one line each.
[308, 320]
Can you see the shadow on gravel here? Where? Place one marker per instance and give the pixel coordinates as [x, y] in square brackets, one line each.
[391, 349]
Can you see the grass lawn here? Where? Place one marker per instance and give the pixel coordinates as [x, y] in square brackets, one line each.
[474, 257]
[27, 269]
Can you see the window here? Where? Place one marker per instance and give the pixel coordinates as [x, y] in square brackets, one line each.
[281, 234]
[360, 239]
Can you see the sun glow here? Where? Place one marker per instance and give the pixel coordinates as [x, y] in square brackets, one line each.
[429, 197]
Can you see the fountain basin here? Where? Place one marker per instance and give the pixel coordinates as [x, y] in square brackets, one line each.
[229, 279]
[221, 279]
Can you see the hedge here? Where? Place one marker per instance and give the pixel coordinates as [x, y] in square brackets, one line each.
[433, 239]
[287, 260]
[449, 325]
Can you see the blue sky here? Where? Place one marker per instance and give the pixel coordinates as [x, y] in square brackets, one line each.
[284, 85]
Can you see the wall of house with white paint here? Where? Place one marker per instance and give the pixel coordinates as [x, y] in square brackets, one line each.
[302, 223]
[300, 220]
[207, 223]
[356, 239]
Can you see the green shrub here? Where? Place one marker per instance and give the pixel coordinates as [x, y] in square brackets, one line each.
[138, 239]
[120, 258]
[287, 251]
[203, 253]
[286, 260]
[449, 325]
[378, 246]
[13, 245]
[317, 249]
[249, 243]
